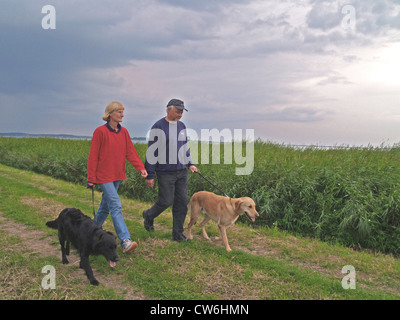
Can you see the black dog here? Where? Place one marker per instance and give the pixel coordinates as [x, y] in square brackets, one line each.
[86, 236]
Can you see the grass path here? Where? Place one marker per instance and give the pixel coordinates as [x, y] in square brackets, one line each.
[264, 264]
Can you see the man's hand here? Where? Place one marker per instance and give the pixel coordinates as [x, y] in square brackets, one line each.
[150, 183]
[193, 169]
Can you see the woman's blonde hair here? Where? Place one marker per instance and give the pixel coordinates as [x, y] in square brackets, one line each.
[111, 107]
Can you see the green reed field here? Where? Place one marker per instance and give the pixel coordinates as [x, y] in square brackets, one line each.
[348, 196]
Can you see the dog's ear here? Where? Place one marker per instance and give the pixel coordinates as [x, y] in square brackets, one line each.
[97, 237]
[112, 234]
[237, 204]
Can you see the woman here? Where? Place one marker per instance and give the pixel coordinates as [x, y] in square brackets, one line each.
[111, 145]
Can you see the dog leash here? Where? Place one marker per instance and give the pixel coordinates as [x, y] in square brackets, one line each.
[201, 175]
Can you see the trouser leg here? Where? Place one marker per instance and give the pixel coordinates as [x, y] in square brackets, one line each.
[179, 208]
[166, 189]
[172, 190]
[113, 202]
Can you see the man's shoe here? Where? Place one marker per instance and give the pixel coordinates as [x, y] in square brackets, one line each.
[128, 245]
[179, 237]
[148, 223]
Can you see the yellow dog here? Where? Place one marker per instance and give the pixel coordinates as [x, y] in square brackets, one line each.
[225, 211]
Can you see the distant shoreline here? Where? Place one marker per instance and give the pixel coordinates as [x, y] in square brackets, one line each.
[58, 136]
[144, 140]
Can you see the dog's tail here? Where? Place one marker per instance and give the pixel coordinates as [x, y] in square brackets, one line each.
[52, 224]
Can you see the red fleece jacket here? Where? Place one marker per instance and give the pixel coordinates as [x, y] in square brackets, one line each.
[108, 152]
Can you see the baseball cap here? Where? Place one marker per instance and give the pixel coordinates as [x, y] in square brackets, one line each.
[177, 103]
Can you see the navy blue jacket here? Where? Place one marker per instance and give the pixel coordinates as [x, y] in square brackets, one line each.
[167, 148]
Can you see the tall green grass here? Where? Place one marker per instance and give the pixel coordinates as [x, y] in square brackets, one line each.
[350, 196]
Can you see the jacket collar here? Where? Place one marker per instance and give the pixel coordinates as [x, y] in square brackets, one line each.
[111, 129]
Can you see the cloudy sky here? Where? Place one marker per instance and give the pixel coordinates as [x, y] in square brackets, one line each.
[299, 72]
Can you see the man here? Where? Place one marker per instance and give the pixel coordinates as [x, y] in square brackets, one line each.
[168, 156]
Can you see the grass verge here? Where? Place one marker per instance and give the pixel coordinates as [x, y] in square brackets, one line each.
[266, 263]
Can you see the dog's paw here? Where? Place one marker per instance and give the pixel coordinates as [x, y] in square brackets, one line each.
[94, 282]
[65, 261]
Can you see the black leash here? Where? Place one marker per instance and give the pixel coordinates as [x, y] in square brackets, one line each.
[201, 175]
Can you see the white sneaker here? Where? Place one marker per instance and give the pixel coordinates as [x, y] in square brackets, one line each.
[129, 245]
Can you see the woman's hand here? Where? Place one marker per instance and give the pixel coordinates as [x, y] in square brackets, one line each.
[143, 173]
[90, 185]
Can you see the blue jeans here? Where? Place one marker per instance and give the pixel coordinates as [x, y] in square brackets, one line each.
[111, 203]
